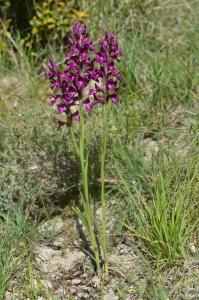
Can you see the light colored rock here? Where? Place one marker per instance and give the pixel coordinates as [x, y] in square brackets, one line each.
[151, 147]
[125, 261]
[73, 290]
[110, 297]
[83, 296]
[11, 296]
[54, 227]
[52, 261]
[47, 284]
[8, 81]
[59, 241]
[76, 281]
[96, 281]
[99, 213]
[192, 248]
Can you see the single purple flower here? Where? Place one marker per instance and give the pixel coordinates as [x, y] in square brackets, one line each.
[60, 109]
[76, 116]
[114, 99]
[88, 104]
[111, 85]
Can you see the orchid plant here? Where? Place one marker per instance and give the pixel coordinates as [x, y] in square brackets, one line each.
[90, 78]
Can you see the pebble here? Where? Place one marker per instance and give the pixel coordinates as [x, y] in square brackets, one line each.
[76, 281]
[110, 297]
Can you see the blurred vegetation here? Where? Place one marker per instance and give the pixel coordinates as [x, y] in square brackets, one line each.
[53, 19]
[19, 12]
[39, 22]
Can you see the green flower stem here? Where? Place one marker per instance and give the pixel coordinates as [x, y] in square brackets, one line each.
[74, 141]
[88, 218]
[103, 200]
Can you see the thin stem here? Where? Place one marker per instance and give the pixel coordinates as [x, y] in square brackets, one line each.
[103, 200]
[82, 158]
[74, 141]
[89, 217]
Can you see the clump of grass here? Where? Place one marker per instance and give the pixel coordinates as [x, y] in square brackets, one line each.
[15, 230]
[161, 208]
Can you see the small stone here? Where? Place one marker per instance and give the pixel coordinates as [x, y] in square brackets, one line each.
[81, 295]
[47, 284]
[96, 281]
[192, 248]
[53, 226]
[59, 241]
[76, 281]
[73, 290]
[110, 297]
[99, 213]
[7, 82]
[85, 288]
[52, 261]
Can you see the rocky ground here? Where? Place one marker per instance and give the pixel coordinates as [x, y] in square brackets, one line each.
[62, 270]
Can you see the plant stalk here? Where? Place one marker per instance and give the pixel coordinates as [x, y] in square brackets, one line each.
[88, 212]
[103, 199]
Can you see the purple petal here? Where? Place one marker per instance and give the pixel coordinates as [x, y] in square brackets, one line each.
[92, 92]
[114, 100]
[53, 100]
[112, 70]
[80, 84]
[119, 53]
[111, 85]
[98, 89]
[101, 59]
[119, 77]
[52, 65]
[72, 66]
[70, 78]
[61, 109]
[84, 55]
[63, 75]
[74, 52]
[95, 75]
[71, 41]
[56, 84]
[99, 100]
[89, 105]
[76, 117]
[86, 42]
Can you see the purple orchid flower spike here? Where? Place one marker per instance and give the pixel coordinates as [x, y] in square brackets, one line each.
[106, 58]
[85, 67]
[70, 83]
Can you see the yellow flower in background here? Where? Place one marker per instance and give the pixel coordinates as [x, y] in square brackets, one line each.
[52, 20]
[80, 14]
